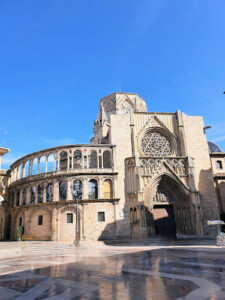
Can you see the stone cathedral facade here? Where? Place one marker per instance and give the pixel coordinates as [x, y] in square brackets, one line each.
[144, 174]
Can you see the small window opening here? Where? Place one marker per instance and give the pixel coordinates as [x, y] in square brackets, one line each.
[40, 220]
[69, 218]
[101, 216]
[219, 164]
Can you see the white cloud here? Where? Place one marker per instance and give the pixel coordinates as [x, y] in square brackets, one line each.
[10, 158]
[219, 138]
[59, 142]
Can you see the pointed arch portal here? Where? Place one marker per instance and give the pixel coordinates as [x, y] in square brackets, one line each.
[167, 208]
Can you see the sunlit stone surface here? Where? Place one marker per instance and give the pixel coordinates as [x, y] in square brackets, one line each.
[149, 270]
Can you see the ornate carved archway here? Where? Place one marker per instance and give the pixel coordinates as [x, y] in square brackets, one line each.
[165, 191]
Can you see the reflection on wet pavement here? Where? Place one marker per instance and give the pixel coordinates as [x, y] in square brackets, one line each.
[109, 272]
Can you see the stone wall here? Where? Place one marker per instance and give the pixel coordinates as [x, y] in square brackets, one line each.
[197, 148]
[121, 136]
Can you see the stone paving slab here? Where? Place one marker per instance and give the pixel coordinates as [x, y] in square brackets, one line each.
[56, 271]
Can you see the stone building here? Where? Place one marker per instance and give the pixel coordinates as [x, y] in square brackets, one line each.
[143, 174]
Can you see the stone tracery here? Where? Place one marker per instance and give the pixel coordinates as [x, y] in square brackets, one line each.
[156, 144]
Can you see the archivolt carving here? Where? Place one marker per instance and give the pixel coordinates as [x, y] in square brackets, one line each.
[151, 190]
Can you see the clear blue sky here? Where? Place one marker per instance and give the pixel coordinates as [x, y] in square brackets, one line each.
[58, 57]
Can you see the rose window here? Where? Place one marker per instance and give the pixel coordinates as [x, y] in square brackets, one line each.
[156, 144]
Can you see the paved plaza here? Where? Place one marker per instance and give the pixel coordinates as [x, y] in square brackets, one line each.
[150, 270]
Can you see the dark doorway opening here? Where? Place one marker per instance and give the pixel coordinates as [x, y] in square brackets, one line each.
[164, 220]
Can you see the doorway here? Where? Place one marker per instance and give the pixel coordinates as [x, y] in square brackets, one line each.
[164, 220]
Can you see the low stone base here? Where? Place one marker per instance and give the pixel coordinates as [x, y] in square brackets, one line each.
[220, 240]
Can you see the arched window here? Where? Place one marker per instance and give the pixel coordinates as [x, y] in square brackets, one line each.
[49, 193]
[26, 169]
[107, 159]
[77, 159]
[32, 194]
[24, 196]
[18, 198]
[42, 164]
[34, 166]
[63, 161]
[40, 193]
[108, 190]
[93, 160]
[78, 188]
[92, 189]
[51, 163]
[62, 190]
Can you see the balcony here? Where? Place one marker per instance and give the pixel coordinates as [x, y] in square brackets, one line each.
[64, 160]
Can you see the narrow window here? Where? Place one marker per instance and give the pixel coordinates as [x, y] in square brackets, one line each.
[101, 216]
[69, 218]
[107, 159]
[42, 164]
[219, 164]
[50, 163]
[63, 160]
[77, 159]
[93, 160]
[92, 189]
[49, 193]
[18, 198]
[108, 190]
[62, 190]
[77, 187]
[40, 193]
[40, 220]
[24, 196]
[20, 221]
[32, 194]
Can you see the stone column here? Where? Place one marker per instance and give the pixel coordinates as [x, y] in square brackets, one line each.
[28, 195]
[101, 188]
[18, 172]
[68, 161]
[68, 194]
[82, 223]
[115, 188]
[97, 159]
[55, 190]
[21, 198]
[36, 194]
[15, 192]
[44, 192]
[55, 221]
[85, 188]
[30, 168]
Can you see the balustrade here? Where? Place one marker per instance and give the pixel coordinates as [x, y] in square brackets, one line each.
[64, 159]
